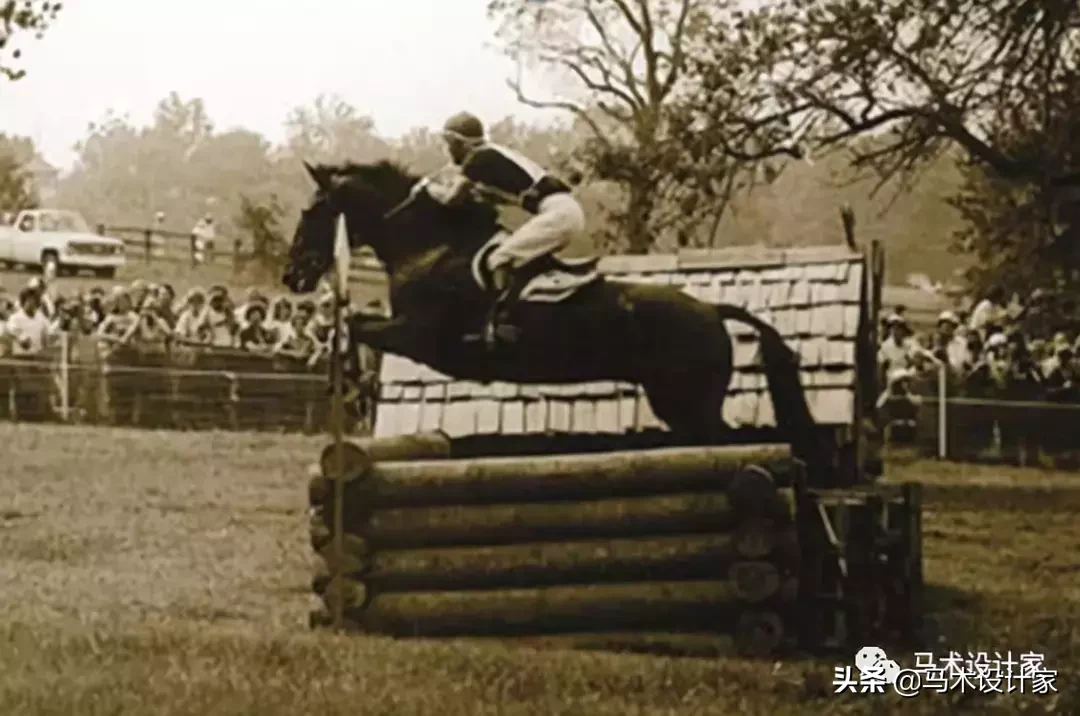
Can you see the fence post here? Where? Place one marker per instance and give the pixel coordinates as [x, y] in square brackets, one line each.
[148, 235]
[101, 229]
[943, 437]
[193, 241]
[65, 376]
[236, 257]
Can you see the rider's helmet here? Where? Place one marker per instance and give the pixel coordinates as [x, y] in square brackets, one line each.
[465, 126]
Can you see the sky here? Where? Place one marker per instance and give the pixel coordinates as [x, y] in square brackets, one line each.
[406, 63]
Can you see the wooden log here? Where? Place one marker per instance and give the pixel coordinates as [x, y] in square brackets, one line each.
[755, 581]
[356, 556]
[465, 525]
[355, 593]
[669, 606]
[756, 538]
[570, 477]
[477, 525]
[362, 453]
[750, 488]
[685, 557]
[759, 634]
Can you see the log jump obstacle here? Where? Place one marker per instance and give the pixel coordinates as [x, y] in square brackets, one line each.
[724, 542]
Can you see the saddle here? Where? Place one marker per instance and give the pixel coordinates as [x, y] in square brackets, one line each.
[548, 279]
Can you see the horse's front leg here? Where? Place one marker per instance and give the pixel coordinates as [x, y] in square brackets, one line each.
[379, 334]
[382, 334]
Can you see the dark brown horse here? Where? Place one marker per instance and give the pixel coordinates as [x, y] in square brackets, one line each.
[673, 345]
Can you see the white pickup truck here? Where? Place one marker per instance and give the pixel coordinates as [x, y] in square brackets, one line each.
[59, 241]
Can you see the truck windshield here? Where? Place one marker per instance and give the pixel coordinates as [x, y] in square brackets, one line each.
[67, 221]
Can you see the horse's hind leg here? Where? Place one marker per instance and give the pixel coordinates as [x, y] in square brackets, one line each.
[692, 405]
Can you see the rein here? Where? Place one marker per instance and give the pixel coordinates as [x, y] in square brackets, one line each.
[397, 208]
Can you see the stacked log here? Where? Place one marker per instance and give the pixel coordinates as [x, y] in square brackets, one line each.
[674, 540]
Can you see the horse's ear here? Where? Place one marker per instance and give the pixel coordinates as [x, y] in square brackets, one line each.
[319, 175]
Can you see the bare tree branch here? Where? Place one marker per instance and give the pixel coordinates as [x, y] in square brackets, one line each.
[574, 109]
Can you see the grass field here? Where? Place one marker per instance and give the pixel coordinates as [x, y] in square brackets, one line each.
[158, 573]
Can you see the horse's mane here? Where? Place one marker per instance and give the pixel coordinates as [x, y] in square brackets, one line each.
[384, 170]
[469, 217]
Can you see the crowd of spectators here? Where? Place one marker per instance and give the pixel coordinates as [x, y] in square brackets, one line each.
[149, 316]
[1001, 349]
[1012, 356]
[140, 355]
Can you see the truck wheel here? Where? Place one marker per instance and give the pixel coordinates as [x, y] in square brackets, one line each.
[50, 259]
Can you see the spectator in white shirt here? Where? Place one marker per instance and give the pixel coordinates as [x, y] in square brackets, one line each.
[116, 329]
[189, 325]
[950, 347]
[30, 330]
[895, 351]
[281, 312]
[45, 300]
[990, 312]
[29, 327]
[204, 235]
[219, 319]
[254, 297]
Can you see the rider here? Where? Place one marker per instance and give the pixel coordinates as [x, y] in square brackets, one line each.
[501, 175]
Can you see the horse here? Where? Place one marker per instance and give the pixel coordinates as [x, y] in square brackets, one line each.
[672, 344]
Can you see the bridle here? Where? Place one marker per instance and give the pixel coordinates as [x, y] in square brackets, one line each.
[396, 208]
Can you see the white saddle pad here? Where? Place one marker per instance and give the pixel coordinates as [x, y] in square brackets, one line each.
[550, 286]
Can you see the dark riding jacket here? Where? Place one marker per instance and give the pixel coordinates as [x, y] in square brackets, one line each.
[508, 176]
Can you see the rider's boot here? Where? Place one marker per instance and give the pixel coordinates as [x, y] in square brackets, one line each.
[497, 328]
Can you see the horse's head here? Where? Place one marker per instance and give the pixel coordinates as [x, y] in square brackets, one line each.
[312, 251]
[365, 194]
[371, 196]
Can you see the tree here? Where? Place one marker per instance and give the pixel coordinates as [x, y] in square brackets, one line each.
[178, 165]
[17, 191]
[333, 131]
[262, 220]
[996, 79]
[627, 60]
[18, 17]
[421, 150]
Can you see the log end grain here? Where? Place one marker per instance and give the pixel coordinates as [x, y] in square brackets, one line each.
[759, 634]
[354, 559]
[752, 491]
[353, 592]
[356, 461]
[755, 581]
[754, 538]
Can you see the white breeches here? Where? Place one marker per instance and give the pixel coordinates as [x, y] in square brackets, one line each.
[558, 229]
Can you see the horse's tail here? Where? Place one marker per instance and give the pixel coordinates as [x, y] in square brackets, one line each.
[785, 388]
